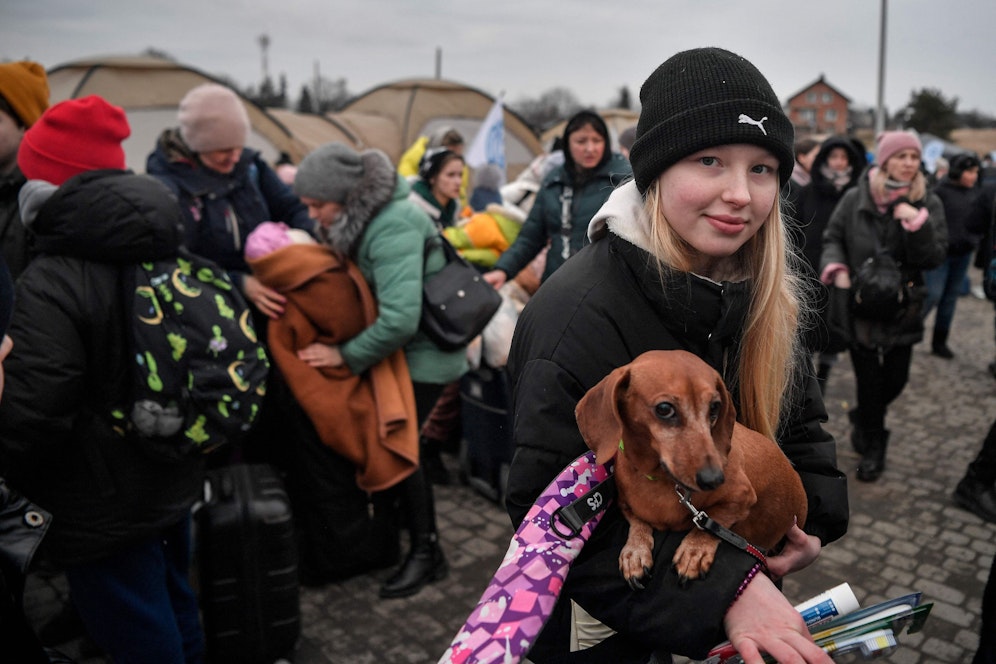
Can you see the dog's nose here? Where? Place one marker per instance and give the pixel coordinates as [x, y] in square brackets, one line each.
[709, 478]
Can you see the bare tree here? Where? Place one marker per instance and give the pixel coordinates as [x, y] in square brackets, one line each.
[548, 109]
[331, 95]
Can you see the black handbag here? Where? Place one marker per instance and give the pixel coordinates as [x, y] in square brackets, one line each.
[879, 290]
[457, 302]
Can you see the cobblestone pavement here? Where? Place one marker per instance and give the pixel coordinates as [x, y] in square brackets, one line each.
[905, 534]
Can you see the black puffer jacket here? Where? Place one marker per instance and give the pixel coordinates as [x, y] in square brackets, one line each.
[599, 311]
[850, 239]
[813, 204]
[959, 206]
[69, 365]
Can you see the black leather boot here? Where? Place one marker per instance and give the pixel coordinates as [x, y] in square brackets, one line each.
[423, 565]
[873, 461]
[857, 442]
[432, 461]
[977, 497]
[939, 344]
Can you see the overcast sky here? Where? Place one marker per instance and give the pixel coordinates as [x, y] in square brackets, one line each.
[524, 47]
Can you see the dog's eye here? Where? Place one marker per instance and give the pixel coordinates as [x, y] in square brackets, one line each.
[665, 411]
[714, 409]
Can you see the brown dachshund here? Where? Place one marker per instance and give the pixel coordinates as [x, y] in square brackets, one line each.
[668, 420]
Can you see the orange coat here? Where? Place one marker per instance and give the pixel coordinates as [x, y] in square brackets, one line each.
[369, 419]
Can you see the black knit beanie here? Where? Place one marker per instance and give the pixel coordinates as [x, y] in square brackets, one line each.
[706, 97]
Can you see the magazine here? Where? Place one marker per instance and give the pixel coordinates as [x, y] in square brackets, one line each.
[839, 626]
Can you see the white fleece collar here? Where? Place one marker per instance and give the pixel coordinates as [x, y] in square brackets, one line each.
[623, 214]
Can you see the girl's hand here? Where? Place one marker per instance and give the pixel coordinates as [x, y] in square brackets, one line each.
[800, 550]
[762, 620]
[321, 356]
[904, 212]
[267, 300]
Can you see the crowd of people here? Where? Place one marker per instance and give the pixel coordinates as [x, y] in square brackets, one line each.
[706, 227]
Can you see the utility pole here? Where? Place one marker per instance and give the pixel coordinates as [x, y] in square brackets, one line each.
[880, 110]
[264, 45]
[439, 62]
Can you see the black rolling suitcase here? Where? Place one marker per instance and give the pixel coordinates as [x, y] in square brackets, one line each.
[486, 442]
[247, 561]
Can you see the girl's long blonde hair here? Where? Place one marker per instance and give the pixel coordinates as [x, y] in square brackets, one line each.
[770, 343]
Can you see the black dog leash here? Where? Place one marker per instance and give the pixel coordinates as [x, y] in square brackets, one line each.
[702, 521]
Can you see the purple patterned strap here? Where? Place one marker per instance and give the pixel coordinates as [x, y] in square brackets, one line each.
[524, 589]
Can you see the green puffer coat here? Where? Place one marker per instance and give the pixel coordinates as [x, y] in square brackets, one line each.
[385, 234]
[545, 220]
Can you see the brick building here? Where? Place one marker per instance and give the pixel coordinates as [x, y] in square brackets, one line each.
[819, 108]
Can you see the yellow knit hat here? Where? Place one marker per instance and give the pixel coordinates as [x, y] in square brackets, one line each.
[25, 87]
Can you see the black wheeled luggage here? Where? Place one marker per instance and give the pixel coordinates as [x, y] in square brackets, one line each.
[247, 558]
[486, 418]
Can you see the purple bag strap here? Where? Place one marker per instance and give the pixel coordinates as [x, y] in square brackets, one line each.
[524, 589]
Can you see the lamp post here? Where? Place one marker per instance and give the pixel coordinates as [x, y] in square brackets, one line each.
[880, 110]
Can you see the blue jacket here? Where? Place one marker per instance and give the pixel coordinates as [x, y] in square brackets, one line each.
[220, 210]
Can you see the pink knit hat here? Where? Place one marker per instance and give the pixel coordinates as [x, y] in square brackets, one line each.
[891, 142]
[212, 117]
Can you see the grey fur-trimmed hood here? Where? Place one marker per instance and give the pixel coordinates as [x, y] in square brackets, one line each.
[374, 191]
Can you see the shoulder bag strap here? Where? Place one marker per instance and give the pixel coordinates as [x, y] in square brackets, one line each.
[566, 201]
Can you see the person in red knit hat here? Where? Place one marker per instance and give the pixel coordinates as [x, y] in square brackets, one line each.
[120, 520]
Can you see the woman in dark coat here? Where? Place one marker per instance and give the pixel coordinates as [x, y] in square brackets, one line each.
[567, 199]
[957, 192]
[836, 168]
[889, 210]
[225, 189]
[693, 256]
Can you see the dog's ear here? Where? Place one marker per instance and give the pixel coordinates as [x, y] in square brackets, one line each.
[722, 431]
[598, 416]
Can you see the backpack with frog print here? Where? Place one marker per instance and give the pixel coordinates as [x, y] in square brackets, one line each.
[198, 369]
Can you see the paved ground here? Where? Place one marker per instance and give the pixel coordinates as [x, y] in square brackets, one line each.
[905, 532]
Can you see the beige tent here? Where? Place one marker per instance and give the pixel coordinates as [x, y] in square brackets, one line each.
[617, 119]
[357, 130]
[417, 107]
[311, 130]
[389, 117]
[150, 89]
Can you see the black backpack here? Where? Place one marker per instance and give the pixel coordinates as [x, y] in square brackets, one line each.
[878, 289]
[198, 369]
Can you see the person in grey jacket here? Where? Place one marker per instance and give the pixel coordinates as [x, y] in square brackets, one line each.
[891, 210]
[363, 212]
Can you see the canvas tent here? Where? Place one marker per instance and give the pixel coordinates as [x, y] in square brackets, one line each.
[417, 107]
[357, 130]
[150, 89]
[389, 117]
